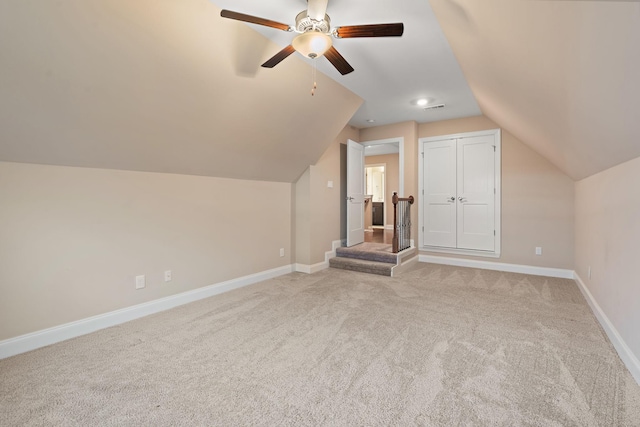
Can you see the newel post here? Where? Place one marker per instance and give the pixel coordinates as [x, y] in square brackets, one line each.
[394, 241]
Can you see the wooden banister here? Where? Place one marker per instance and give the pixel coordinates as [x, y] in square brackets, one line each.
[401, 222]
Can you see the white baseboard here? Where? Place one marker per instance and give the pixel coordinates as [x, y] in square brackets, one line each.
[314, 268]
[310, 269]
[488, 265]
[406, 259]
[463, 252]
[34, 340]
[628, 358]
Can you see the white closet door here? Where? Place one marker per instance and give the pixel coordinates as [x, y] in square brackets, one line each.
[440, 194]
[476, 193]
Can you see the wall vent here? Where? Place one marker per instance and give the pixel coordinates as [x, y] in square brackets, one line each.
[433, 107]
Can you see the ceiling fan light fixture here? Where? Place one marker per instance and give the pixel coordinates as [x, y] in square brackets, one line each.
[312, 44]
[313, 26]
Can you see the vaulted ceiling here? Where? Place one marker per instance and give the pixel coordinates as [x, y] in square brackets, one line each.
[562, 76]
[157, 86]
[391, 73]
[170, 86]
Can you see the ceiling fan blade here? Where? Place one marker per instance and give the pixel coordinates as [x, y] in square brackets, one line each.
[374, 30]
[278, 57]
[254, 20]
[316, 9]
[338, 61]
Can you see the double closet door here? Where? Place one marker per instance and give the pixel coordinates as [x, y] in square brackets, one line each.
[460, 193]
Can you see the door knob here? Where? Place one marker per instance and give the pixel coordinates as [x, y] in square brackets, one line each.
[349, 198]
[451, 199]
[462, 199]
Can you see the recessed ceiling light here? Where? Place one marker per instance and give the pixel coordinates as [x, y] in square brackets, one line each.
[371, 121]
[422, 102]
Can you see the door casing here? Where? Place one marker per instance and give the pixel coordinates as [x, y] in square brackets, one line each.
[442, 140]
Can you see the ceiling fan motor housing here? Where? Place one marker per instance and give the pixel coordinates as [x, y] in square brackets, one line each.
[304, 23]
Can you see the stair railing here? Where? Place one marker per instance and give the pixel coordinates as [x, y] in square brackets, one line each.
[401, 223]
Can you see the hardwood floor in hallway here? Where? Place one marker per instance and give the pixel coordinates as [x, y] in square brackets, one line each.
[378, 235]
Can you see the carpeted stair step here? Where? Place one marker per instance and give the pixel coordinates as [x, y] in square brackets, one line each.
[369, 255]
[363, 266]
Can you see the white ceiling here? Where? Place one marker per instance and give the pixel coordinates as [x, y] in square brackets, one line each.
[390, 72]
[377, 148]
[559, 75]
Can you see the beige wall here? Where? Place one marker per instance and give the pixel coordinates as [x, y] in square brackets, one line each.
[303, 218]
[73, 239]
[607, 230]
[319, 206]
[537, 200]
[392, 180]
[325, 202]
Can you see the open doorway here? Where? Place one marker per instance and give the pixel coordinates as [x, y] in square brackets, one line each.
[372, 149]
[384, 161]
[375, 180]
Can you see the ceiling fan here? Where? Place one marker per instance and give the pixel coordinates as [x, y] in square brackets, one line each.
[314, 34]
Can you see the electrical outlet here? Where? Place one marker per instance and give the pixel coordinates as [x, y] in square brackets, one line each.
[538, 250]
[281, 251]
[167, 276]
[330, 184]
[140, 282]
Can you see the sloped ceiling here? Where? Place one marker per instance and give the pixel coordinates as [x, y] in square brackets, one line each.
[562, 76]
[169, 86]
[162, 86]
[391, 73]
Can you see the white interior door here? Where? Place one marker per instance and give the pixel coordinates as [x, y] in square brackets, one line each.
[476, 193]
[439, 201]
[355, 193]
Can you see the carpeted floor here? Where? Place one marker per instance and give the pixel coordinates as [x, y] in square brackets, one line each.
[437, 346]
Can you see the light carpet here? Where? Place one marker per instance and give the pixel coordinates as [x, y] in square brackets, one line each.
[370, 251]
[437, 346]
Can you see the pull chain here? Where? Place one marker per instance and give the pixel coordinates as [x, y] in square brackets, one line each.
[313, 77]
